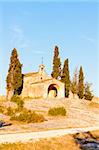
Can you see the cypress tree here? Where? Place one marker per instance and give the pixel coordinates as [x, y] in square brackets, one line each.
[74, 82]
[65, 78]
[88, 93]
[14, 77]
[56, 73]
[81, 84]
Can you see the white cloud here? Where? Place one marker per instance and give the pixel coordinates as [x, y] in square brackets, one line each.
[89, 39]
[17, 29]
[18, 38]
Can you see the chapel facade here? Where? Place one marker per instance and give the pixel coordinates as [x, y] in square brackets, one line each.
[40, 85]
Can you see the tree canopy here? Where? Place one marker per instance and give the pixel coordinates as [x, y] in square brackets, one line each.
[81, 83]
[56, 72]
[65, 77]
[74, 82]
[14, 77]
[88, 93]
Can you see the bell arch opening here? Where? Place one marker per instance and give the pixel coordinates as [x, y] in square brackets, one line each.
[52, 91]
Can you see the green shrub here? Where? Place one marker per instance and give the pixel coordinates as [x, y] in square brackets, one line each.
[88, 96]
[28, 116]
[57, 111]
[10, 111]
[18, 101]
[20, 104]
[88, 93]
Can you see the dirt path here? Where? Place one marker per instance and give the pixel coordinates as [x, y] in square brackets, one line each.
[24, 137]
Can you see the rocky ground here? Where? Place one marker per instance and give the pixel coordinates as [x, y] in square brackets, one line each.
[88, 140]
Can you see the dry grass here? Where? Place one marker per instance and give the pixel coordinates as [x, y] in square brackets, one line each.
[2, 100]
[59, 143]
[96, 100]
[95, 134]
[88, 111]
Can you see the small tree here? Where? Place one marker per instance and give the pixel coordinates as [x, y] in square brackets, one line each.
[56, 73]
[88, 93]
[74, 83]
[81, 84]
[65, 78]
[14, 77]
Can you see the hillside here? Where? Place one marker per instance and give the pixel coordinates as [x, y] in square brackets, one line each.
[80, 113]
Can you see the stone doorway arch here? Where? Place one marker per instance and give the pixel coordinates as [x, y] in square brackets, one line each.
[52, 91]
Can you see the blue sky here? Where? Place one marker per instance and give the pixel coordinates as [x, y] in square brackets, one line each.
[34, 28]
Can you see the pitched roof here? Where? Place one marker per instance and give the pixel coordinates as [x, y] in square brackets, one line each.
[30, 74]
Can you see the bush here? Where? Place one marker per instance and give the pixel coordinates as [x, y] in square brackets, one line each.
[88, 93]
[18, 101]
[28, 116]
[88, 96]
[57, 111]
[2, 109]
[9, 111]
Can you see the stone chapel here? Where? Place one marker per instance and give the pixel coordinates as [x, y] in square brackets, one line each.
[40, 85]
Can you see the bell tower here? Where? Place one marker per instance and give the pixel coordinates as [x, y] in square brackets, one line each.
[42, 71]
